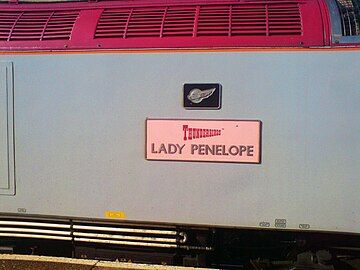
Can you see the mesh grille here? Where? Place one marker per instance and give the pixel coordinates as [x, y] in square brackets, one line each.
[33, 25]
[250, 19]
[350, 17]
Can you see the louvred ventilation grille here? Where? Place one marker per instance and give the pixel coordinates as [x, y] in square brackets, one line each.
[208, 20]
[136, 24]
[179, 22]
[33, 25]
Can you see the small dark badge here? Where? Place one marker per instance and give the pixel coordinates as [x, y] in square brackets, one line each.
[202, 96]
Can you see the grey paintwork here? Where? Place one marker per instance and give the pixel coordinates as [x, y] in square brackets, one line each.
[80, 138]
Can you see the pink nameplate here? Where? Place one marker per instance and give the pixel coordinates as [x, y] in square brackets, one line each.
[236, 141]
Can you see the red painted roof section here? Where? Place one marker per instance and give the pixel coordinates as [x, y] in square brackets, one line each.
[161, 24]
[36, 25]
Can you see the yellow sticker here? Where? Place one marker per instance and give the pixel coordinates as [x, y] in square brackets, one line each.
[115, 214]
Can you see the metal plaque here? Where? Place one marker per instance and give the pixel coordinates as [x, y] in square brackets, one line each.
[202, 96]
[236, 141]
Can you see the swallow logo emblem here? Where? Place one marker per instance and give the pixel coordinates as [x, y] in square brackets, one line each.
[196, 95]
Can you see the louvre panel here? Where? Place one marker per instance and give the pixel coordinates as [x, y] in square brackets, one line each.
[60, 25]
[214, 21]
[33, 25]
[7, 21]
[30, 26]
[246, 19]
[179, 21]
[286, 21]
[145, 22]
[112, 23]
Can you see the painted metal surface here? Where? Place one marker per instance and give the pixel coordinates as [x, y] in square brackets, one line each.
[7, 170]
[80, 138]
[174, 24]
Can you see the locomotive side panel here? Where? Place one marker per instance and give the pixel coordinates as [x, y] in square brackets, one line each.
[80, 138]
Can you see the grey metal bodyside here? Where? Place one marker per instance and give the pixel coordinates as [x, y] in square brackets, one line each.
[80, 138]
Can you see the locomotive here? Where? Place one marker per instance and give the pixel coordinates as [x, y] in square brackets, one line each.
[200, 133]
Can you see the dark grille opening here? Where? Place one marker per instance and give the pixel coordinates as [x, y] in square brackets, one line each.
[350, 17]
